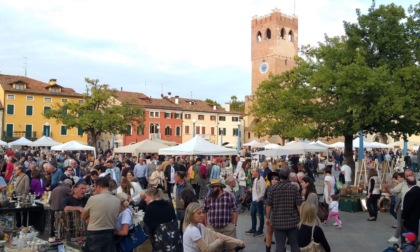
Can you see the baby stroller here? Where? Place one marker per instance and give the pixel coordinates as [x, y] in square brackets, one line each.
[245, 201]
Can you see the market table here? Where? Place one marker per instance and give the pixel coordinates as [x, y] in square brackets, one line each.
[35, 215]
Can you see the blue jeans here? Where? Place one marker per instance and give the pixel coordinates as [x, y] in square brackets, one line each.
[257, 207]
[101, 241]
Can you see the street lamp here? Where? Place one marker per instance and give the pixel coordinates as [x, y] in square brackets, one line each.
[193, 120]
[238, 147]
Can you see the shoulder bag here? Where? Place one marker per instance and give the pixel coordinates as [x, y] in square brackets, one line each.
[313, 246]
[133, 239]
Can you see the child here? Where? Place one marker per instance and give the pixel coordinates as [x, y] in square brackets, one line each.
[410, 242]
[334, 210]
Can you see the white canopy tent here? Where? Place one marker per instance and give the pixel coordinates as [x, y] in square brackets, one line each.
[261, 145]
[145, 146]
[19, 142]
[319, 143]
[337, 145]
[197, 146]
[44, 141]
[379, 145]
[73, 146]
[272, 146]
[275, 152]
[252, 143]
[302, 147]
[3, 143]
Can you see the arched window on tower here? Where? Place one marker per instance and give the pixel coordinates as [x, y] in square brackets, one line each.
[259, 37]
[282, 33]
[268, 34]
[290, 35]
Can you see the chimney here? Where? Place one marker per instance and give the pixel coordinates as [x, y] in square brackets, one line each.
[53, 81]
[176, 100]
[121, 89]
[227, 106]
[214, 107]
[169, 95]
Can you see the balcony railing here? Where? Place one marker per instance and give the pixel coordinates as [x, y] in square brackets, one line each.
[12, 136]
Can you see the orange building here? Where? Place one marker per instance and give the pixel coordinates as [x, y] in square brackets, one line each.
[163, 119]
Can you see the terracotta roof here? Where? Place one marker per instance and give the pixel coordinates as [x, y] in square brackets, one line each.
[34, 86]
[198, 105]
[145, 101]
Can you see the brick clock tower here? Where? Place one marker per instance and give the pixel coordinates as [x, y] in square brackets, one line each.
[274, 44]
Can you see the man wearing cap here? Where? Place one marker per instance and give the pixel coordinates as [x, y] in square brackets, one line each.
[282, 204]
[101, 212]
[220, 211]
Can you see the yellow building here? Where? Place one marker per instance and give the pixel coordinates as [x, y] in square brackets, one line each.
[24, 101]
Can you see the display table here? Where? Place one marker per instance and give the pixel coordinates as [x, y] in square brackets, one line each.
[35, 215]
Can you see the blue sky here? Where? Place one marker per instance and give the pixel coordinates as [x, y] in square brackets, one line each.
[198, 49]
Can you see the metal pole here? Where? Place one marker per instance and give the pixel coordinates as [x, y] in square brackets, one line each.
[405, 149]
[361, 152]
[238, 148]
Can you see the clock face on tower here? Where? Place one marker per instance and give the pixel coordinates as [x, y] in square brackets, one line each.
[263, 67]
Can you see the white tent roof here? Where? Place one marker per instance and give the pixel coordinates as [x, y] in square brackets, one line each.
[380, 145]
[44, 141]
[145, 146]
[275, 152]
[252, 143]
[261, 145]
[337, 145]
[272, 146]
[319, 143]
[302, 147]
[73, 145]
[197, 146]
[366, 144]
[20, 142]
[3, 143]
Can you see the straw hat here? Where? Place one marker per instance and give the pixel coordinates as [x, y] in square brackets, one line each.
[216, 182]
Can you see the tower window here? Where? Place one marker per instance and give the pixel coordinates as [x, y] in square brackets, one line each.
[282, 33]
[290, 35]
[259, 37]
[268, 34]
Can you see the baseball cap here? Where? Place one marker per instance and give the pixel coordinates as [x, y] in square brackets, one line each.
[410, 237]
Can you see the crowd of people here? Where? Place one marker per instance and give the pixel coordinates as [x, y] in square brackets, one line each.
[189, 205]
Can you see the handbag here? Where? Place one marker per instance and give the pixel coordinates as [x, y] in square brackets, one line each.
[133, 239]
[313, 246]
[322, 211]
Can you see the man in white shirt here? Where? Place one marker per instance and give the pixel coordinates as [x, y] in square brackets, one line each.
[346, 171]
[238, 165]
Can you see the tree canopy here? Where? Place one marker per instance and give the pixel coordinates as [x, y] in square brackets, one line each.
[99, 113]
[366, 80]
[235, 105]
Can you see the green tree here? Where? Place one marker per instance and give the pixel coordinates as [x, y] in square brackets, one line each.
[366, 80]
[235, 105]
[212, 102]
[99, 113]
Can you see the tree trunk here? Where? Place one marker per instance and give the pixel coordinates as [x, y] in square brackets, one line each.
[348, 153]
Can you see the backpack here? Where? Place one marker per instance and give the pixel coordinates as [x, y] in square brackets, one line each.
[203, 171]
[191, 173]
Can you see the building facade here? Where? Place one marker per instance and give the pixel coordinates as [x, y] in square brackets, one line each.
[25, 100]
